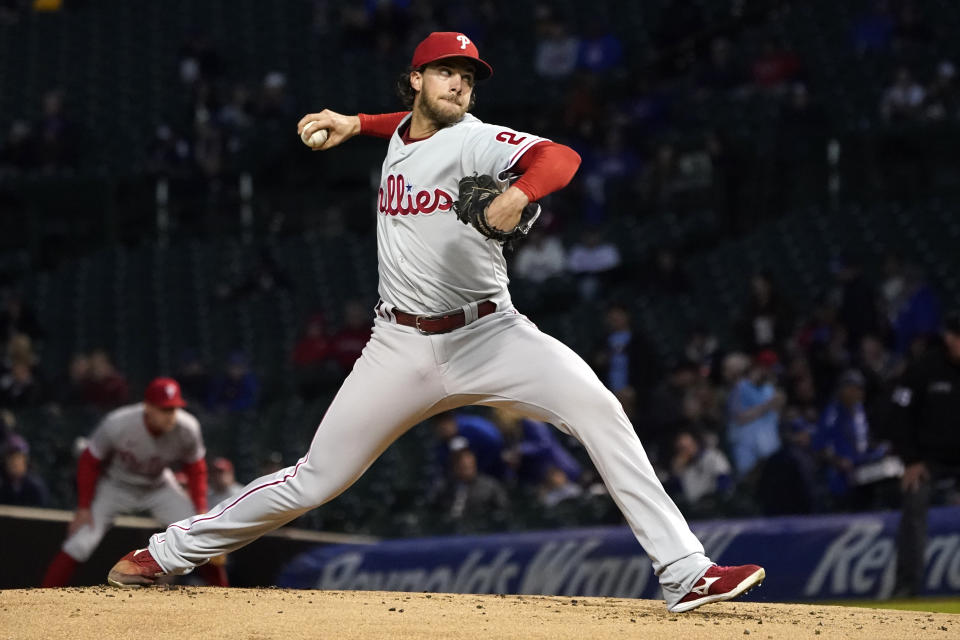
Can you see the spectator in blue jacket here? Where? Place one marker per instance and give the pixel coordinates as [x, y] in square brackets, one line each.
[533, 449]
[237, 388]
[455, 431]
[600, 49]
[843, 434]
[918, 314]
[753, 411]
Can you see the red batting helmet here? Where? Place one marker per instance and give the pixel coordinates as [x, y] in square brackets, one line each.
[449, 44]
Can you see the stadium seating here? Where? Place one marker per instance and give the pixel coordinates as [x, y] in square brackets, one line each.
[85, 252]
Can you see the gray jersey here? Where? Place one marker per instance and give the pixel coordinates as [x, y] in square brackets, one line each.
[431, 262]
[133, 455]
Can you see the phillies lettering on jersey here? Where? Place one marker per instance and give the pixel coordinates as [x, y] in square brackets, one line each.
[153, 466]
[400, 198]
[434, 263]
[133, 456]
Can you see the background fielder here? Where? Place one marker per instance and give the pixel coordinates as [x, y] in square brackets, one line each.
[446, 335]
[126, 468]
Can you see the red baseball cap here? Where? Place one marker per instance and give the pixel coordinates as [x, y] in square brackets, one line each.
[164, 393]
[449, 44]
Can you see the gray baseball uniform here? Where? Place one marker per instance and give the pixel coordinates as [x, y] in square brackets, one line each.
[136, 473]
[431, 263]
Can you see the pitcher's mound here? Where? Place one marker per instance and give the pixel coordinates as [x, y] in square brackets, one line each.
[102, 613]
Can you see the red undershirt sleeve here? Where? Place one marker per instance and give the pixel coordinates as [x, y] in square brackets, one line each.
[88, 472]
[197, 483]
[546, 167]
[381, 125]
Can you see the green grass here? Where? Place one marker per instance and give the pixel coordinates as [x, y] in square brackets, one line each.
[932, 605]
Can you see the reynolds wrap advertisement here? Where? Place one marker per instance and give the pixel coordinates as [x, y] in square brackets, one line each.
[806, 558]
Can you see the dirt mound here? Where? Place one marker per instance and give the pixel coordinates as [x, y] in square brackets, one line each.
[103, 613]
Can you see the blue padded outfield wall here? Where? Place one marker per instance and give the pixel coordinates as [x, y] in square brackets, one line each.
[807, 558]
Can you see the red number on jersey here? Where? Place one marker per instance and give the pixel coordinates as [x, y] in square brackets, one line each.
[511, 138]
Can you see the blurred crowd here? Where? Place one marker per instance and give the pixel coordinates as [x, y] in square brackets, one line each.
[787, 413]
[790, 414]
[632, 110]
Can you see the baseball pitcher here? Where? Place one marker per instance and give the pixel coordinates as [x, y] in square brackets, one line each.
[453, 191]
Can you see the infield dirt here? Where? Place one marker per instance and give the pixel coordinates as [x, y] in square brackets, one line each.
[103, 613]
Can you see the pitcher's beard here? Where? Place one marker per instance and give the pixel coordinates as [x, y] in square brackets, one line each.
[441, 117]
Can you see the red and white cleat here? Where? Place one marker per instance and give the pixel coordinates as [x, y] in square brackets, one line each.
[720, 583]
[136, 569]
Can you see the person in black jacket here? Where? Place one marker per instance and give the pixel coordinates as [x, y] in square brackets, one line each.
[925, 429]
[470, 500]
[625, 358]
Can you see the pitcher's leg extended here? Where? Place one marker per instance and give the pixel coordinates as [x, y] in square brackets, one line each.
[540, 376]
[170, 503]
[393, 386]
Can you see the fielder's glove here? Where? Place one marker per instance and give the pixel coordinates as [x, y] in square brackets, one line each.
[476, 194]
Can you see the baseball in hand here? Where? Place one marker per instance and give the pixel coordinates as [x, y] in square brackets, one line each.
[314, 139]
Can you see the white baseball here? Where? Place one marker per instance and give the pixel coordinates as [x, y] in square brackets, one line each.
[314, 139]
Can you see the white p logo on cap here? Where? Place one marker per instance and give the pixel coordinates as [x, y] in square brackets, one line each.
[170, 390]
[464, 41]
